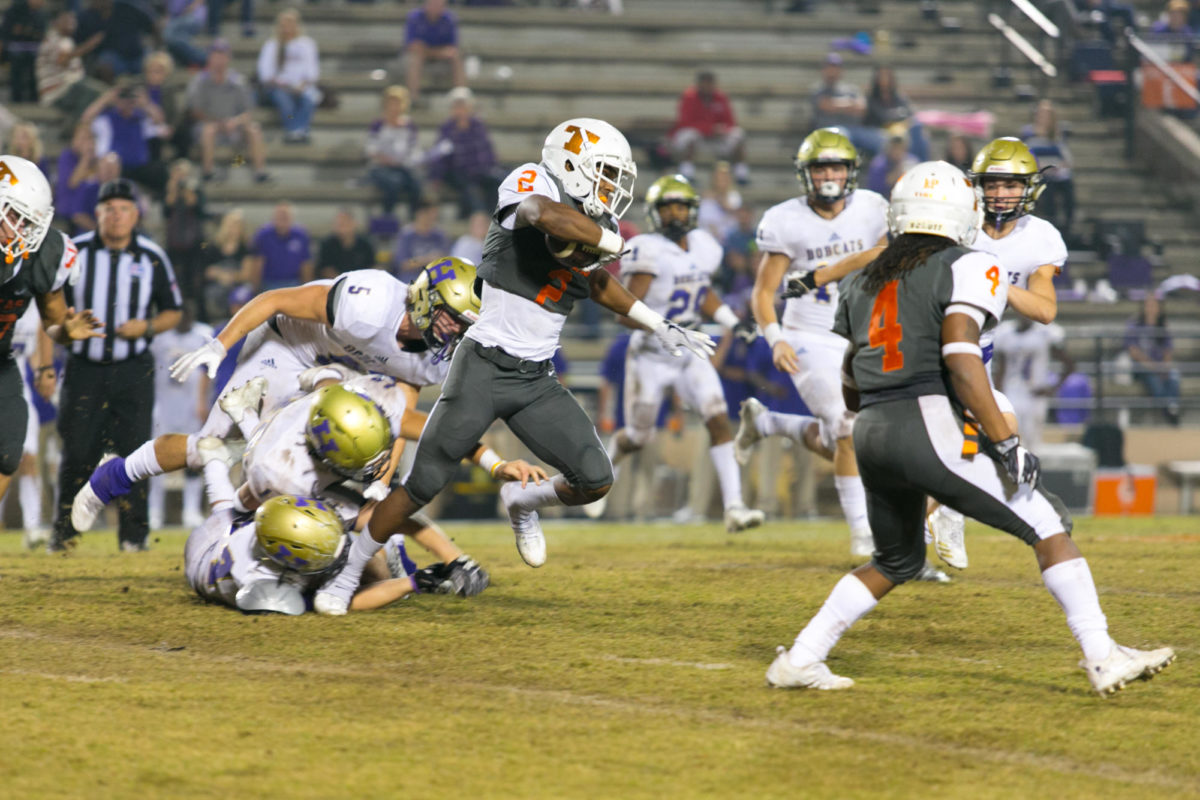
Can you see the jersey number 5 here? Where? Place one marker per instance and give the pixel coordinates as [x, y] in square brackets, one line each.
[885, 330]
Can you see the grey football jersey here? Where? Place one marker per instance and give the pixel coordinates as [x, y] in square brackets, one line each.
[41, 273]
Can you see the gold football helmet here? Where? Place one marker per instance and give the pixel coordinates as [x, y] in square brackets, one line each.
[672, 189]
[299, 533]
[827, 146]
[348, 432]
[450, 286]
[1010, 158]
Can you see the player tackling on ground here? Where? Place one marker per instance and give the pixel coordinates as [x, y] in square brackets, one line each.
[914, 369]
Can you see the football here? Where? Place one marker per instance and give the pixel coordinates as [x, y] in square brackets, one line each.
[572, 254]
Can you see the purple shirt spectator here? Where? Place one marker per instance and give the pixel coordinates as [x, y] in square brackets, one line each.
[81, 199]
[123, 135]
[282, 255]
[464, 151]
[440, 32]
[1153, 340]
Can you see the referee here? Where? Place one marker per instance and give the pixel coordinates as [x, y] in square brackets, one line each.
[107, 397]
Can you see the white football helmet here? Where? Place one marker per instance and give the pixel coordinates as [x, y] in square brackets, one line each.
[936, 198]
[587, 155]
[26, 207]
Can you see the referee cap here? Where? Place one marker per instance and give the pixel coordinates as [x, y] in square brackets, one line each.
[117, 189]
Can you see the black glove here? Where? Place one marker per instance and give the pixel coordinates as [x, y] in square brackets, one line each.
[800, 284]
[746, 330]
[463, 577]
[1020, 464]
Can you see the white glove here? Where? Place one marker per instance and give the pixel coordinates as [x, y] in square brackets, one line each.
[376, 491]
[209, 356]
[675, 338]
[310, 377]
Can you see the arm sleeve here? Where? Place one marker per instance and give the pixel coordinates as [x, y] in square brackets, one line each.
[979, 281]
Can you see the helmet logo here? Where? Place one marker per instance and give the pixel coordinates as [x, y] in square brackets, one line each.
[575, 143]
[6, 172]
[930, 182]
[441, 271]
[322, 431]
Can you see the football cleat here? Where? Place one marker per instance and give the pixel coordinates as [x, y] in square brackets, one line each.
[747, 432]
[948, 528]
[1125, 664]
[862, 544]
[531, 542]
[397, 557]
[247, 397]
[329, 604]
[739, 518]
[97, 492]
[782, 675]
[932, 574]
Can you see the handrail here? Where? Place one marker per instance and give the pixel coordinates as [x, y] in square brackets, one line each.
[1146, 52]
[1022, 44]
[1037, 17]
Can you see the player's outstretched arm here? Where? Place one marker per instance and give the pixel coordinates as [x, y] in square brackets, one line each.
[608, 292]
[299, 302]
[1039, 302]
[762, 303]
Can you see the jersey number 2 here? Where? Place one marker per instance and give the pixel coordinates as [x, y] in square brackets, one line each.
[551, 291]
[885, 330]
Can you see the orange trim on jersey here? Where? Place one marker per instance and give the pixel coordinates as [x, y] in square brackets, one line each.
[970, 439]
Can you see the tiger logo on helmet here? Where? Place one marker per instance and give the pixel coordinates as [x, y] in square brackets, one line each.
[593, 162]
[827, 146]
[26, 207]
[1008, 158]
[299, 533]
[672, 189]
[348, 432]
[450, 286]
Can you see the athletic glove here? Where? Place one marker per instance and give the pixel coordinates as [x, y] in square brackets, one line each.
[463, 577]
[746, 330]
[1020, 464]
[675, 339]
[208, 356]
[377, 491]
[800, 284]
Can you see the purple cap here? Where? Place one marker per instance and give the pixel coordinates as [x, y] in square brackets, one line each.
[241, 294]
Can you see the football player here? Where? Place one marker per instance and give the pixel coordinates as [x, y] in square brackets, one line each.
[1030, 251]
[831, 220]
[581, 187]
[914, 376]
[670, 270]
[366, 319]
[31, 346]
[36, 263]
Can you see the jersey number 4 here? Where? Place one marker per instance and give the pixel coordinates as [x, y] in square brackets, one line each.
[885, 330]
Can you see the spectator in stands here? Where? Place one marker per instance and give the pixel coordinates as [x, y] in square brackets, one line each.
[62, 83]
[25, 141]
[431, 34]
[706, 116]
[887, 167]
[959, 151]
[1149, 344]
[21, 33]
[419, 242]
[185, 20]
[183, 211]
[216, 8]
[1047, 141]
[462, 158]
[120, 118]
[281, 253]
[470, 244]
[1174, 34]
[158, 68]
[288, 68]
[112, 32]
[840, 104]
[393, 153]
[227, 264]
[1105, 17]
[891, 111]
[735, 280]
[77, 187]
[346, 248]
[220, 102]
[719, 203]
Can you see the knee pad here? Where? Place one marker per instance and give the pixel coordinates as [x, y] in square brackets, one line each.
[594, 470]
[899, 567]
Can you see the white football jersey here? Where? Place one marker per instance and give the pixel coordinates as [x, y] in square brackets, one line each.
[1031, 244]
[518, 326]
[228, 560]
[175, 401]
[1026, 355]
[368, 306]
[681, 277]
[278, 460]
[811, 241]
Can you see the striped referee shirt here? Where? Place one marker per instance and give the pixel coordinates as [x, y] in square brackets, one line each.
[119, 285]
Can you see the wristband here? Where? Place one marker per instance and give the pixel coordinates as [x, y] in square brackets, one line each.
[641, 313]
[489, 459]
[495, 467]
[773, 333]
[725, 316]
[964, 348]
[610, 242]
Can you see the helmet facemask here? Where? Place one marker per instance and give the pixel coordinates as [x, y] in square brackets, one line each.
[999, 210]
[827, 192]
[26, 228]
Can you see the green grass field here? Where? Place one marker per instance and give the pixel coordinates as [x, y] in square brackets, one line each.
[630, 666]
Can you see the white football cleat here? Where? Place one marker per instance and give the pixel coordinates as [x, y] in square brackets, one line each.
[328, 604]
[948, 528]
[862, 545]
[33, 539]
[782, 675]
[213, 448]
[747, 432]
[87, 505]
[247, 397]
[531, 542]
[1125, 664]
[932, 574]
[739, 518]
[596, 510]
